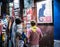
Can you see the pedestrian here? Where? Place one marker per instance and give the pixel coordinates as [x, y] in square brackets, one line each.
[11, 20]
[1, 27]
[1, 37]
[19, 41]
[34, 34]
[13, 33]
[19, 30]
[18, 22]
[5, 22]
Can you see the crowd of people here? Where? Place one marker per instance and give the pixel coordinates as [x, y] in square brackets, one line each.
[13, 34]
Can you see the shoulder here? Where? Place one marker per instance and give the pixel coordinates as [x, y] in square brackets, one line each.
[38, 29]
[29, 30]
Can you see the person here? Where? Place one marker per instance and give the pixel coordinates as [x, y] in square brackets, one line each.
[11, 20]
[5, 21]
[19, 41]
[13, 33]
[1, 27]
[34, 34]
[1, 32]
[19, 29]
[18, 22]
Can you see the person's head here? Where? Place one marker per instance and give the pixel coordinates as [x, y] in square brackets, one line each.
[18, 21]
[7, 17]
[33, 23]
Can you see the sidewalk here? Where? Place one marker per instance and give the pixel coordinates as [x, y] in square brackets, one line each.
[56, 43]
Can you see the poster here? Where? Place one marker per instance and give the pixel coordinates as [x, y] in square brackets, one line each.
[34, 14]
[29, 14]
[44, 11]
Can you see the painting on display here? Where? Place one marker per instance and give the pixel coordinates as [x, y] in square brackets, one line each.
[44, 11]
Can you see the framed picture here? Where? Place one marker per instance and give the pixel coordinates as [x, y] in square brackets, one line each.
[44, 12]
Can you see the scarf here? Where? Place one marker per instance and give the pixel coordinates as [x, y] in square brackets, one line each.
[33, 28]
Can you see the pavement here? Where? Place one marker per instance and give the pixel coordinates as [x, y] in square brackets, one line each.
[56, 43]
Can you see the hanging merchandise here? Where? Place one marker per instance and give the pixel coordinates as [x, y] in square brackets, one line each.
[16, 8]
[16, 4]
[11, 9]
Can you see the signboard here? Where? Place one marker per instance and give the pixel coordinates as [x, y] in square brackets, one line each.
[44, 11]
